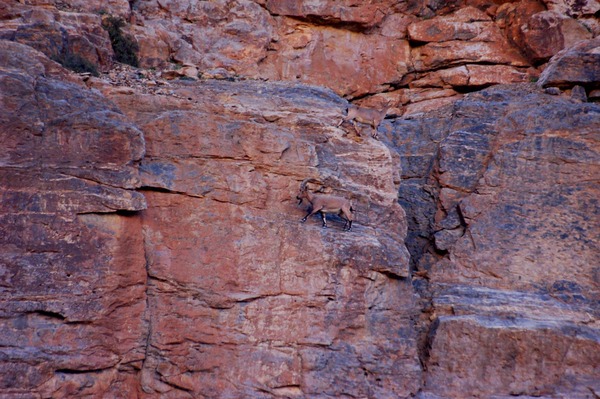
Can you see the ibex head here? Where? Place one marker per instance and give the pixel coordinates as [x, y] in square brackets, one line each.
[304, 192]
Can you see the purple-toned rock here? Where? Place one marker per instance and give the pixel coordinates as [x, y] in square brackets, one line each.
[577, 65]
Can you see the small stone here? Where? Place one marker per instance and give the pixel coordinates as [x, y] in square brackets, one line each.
[578, 93]
[553, 91]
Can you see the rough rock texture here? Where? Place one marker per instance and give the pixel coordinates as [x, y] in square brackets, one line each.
[152, 244]
[502, 191]
[577, 65]
[72, 267]
[216, 289]
[540, 33]
[356, 48]
[57, 32]
[243, 298]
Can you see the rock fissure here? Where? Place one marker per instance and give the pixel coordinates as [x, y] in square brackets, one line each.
[185, 271]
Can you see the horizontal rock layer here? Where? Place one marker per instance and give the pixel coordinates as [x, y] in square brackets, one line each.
[153, 246]
[355, 48]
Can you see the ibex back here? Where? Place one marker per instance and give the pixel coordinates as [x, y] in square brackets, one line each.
[325, 203]
[369, 116]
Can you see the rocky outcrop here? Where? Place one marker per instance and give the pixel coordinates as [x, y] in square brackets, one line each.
[72, 272]
[215, 289]
[58, 32]
[577, 65]
[408, 50]
[503, 189]
[153, 247]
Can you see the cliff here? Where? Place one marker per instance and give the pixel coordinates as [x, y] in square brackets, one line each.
[152, 244]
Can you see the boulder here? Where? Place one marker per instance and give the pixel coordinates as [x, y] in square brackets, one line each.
[577, 65]
[540, 33]
[466, 24]
[432, 56]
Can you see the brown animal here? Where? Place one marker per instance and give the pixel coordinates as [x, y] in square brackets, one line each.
[369, 116]
[325, 203]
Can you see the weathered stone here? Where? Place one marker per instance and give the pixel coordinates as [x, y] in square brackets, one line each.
[206, 34]
[350, 63]
[577, 65]
[471, 76]
[468, 24]
[118, 8]
[72, 269]
[59, 35]
[354, 11]
[543, 34]
[451, 53]
[540, 355]
[501, 182]
[573, 8]
[396, 25]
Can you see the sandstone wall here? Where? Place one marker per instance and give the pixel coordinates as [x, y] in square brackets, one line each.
[152, 244]
[420, 54]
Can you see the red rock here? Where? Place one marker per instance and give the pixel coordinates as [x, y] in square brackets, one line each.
[471, 75]
[206, 34]
[73, 268]
[446, 54]
[396, 25]
[59, 34]
[261, 314]
[349, 11]
[541, 33]
[466, 24]
[217, 290]
[351, 64]
[545, 33]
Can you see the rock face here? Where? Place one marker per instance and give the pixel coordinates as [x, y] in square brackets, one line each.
[506, 182]
[243, 298]
[72, 271]
[238, 299]
[152, 244]
[407, 49]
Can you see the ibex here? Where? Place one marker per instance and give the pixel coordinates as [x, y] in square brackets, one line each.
[325, 203]
[369, 116]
